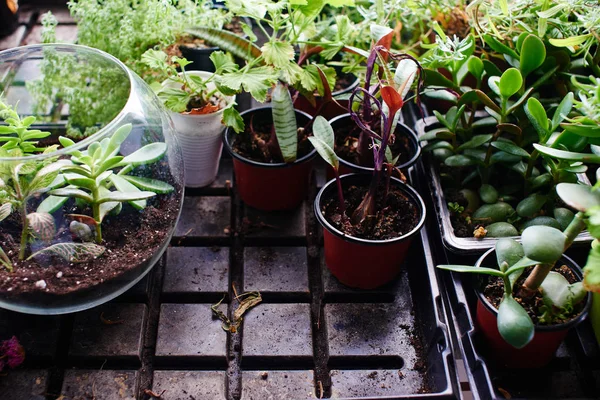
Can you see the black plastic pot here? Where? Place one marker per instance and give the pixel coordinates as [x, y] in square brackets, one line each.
[346, 256]
[461, 245]
[347, 167]
[9, 19]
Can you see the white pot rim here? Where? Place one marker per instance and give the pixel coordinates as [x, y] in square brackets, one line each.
[204, 75]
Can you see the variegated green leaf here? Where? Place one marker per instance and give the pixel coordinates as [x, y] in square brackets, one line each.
[152, 185]
[5, 210]
[284, 121]
[73, 252]
[228, 41]
[42, 225]
[146, 155]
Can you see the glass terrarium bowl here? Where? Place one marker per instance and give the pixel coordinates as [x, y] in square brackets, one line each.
[82, 219]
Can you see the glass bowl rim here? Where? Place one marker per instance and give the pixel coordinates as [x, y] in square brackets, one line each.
[97, 135]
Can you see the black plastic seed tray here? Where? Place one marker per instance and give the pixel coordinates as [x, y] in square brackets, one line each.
[574, 373]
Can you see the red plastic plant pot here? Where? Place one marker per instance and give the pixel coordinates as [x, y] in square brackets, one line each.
[547, 338]
[329, 110]
[347, 167]
[362, 263]
[271, 186]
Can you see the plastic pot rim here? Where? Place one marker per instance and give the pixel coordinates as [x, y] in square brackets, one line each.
[407, 189]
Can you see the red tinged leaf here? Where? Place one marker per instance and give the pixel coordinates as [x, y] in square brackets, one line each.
[392, 99]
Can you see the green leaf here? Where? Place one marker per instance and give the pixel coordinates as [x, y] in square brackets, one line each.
[109, 206]
[510, 148]
[72, 252]
[543, 243]
[562, 111]
[152, 185]
[51, 204]
[559, 292]
[119, 137]
[570, 41]
[533, 55]
[434, 78]
[323, 131]
[122, 197]
[284, 121]
[223, 62]
[5, 210]
[592, 131]
[227, 41]
[591, 277]
[233, 119]
[514, 324]
[278, 53]
[80, 181]
[567, 155]
[484, 98]
[123, 185]
[42, 225]
[71, 192]
[475, 67]
[537, 116]
[510, 82]
[471, 269]
[499, 47]
[146, 155]
[476, 141]
[520, 265]
[579, 197]
[257, 81]
[459, 161]
[531, 205]
[405, 75]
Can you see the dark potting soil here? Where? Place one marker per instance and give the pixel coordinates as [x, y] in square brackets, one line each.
[257, 142]
[131, 238]
[462, 227]
[396, 216]
[346, 145]
[343, 81]
[494, 291]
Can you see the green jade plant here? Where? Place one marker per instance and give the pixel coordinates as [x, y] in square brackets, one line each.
[92, 174]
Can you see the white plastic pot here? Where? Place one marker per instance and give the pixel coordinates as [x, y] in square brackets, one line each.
[200, 139]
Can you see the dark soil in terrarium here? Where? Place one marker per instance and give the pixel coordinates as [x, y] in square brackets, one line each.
[131, 238]
[346, 144]
[258, 144]
[494, 290]
[396, 216]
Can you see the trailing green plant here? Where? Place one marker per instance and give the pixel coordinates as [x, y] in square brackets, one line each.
[91, 174]
[184, 92]
[127, 29]
[16, 134]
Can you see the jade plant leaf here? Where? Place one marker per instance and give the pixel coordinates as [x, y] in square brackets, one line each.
[146, 155]
[152, 185]
[510, 148]
[510, 82]
[514, 324]
[579, 197]
[124, 196]
[533, 54]
[42, 225]
[567, 155]
[284, 121]
[123, 185]
[586, 130]
[562, 111]
[559, 292]
[51, 204]
[543, 243]
[72, 252]
[537, 116]
[570, 41]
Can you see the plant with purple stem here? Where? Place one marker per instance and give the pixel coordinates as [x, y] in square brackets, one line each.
[377, 124]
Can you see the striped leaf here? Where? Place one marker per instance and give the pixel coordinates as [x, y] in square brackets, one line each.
[228, 41]
[284, 121]
[73, 252]
[42, 225]
[5, 210]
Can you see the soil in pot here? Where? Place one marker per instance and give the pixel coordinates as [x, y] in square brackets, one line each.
[397, 217]
[494, 291]
[130, 238]
[235, 26]
[346, 144]
[258, 143]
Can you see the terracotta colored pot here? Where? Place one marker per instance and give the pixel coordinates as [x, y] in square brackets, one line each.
[347, 167]
[330, 110]
[362, 263]
[270, 187]
[540, 351]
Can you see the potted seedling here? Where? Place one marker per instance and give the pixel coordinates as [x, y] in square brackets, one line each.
[198, 110]
[532, 293]
[368, 219]
[82, 221]
[273, 151]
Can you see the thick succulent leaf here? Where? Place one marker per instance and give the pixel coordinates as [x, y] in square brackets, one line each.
[562, 111]
[559, 292]
[567, 155]
[152, 185]
[514, 324]
[510, 82]
[123, 185]
[471, 269]
[73, 252]
[459, 160]
[533, 54]
[120, 196]
[72, 192]
[543, 243]
[579, 197]
[107, 207]
[570, 41]
[476, 141]
[228, 41]
[510, 148]
[509, 251]
[42, 225]
[592, 131]
[5, 210]
[591, 280]
[51, 204]
[496, 45]
[146, 155]
[537, 116]
[118, 138]
[284, 121]
[80, 181]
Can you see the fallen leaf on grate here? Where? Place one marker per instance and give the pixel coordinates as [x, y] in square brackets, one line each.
[153, 394]
[249, 300]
